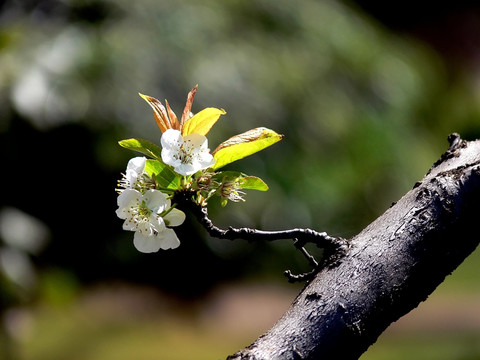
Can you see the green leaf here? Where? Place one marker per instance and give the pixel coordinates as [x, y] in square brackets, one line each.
[163, 174]
[254, 183]
[243, 181]
[242, 145]
[143, 146]
[223, 176]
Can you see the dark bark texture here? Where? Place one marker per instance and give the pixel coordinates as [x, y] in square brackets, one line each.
[388, 268]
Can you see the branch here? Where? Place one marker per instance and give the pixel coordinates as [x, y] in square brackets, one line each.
[334, 248]
[388, 268]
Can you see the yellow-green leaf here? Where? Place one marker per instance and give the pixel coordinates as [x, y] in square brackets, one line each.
[242, 145]
[143, 146]
[202, 122]
[253, 182]
[242, 180]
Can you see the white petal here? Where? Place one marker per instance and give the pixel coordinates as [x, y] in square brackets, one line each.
[137, 164]
[195, 140]
[175, 217]
[157, 222]
[171, 157]
[131, 176]
[146, 244]
[128, 197]
[186, 169]
[169, 239]
[144, 227]
[126, 200]
[156, 200]
[171, 139]
[205, 160]
[200, 164]
[121, 213]
[129, 225]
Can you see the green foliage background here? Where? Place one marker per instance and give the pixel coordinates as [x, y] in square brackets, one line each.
[365, 113]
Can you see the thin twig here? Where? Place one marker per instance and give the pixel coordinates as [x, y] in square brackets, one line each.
[334, 248]
[300, 246]
[320, 239]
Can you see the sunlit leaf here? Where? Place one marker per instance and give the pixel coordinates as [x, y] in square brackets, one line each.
[254, 183]
[163, 174]
[242, 145]
[202, 122]
[243, 181]
[224, 176]
[173, 118]
[188, 106]
[159, 112]
[143, 146]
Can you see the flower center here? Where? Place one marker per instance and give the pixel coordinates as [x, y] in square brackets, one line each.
[140, 215]
[186, 153]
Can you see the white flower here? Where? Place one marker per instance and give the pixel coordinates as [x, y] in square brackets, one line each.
[133, 175]
[149, 215]
[186, 154]
[135, 168]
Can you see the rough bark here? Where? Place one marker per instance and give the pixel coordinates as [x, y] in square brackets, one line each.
[388, 269]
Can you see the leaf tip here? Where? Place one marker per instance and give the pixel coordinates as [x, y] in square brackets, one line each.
[122, 143]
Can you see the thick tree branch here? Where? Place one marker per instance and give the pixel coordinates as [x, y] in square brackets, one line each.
[387, 270]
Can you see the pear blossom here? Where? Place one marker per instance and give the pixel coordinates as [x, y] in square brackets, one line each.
[187, 154]
[148, 215]
[135, 168]
[132, 179]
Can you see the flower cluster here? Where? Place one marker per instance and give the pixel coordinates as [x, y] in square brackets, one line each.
[147, 211]
[183, 162]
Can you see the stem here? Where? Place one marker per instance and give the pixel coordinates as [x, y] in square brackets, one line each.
[334, 248]
[321, 239]
[166, 212]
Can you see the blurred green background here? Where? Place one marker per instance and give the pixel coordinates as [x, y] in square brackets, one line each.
[364, 93]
